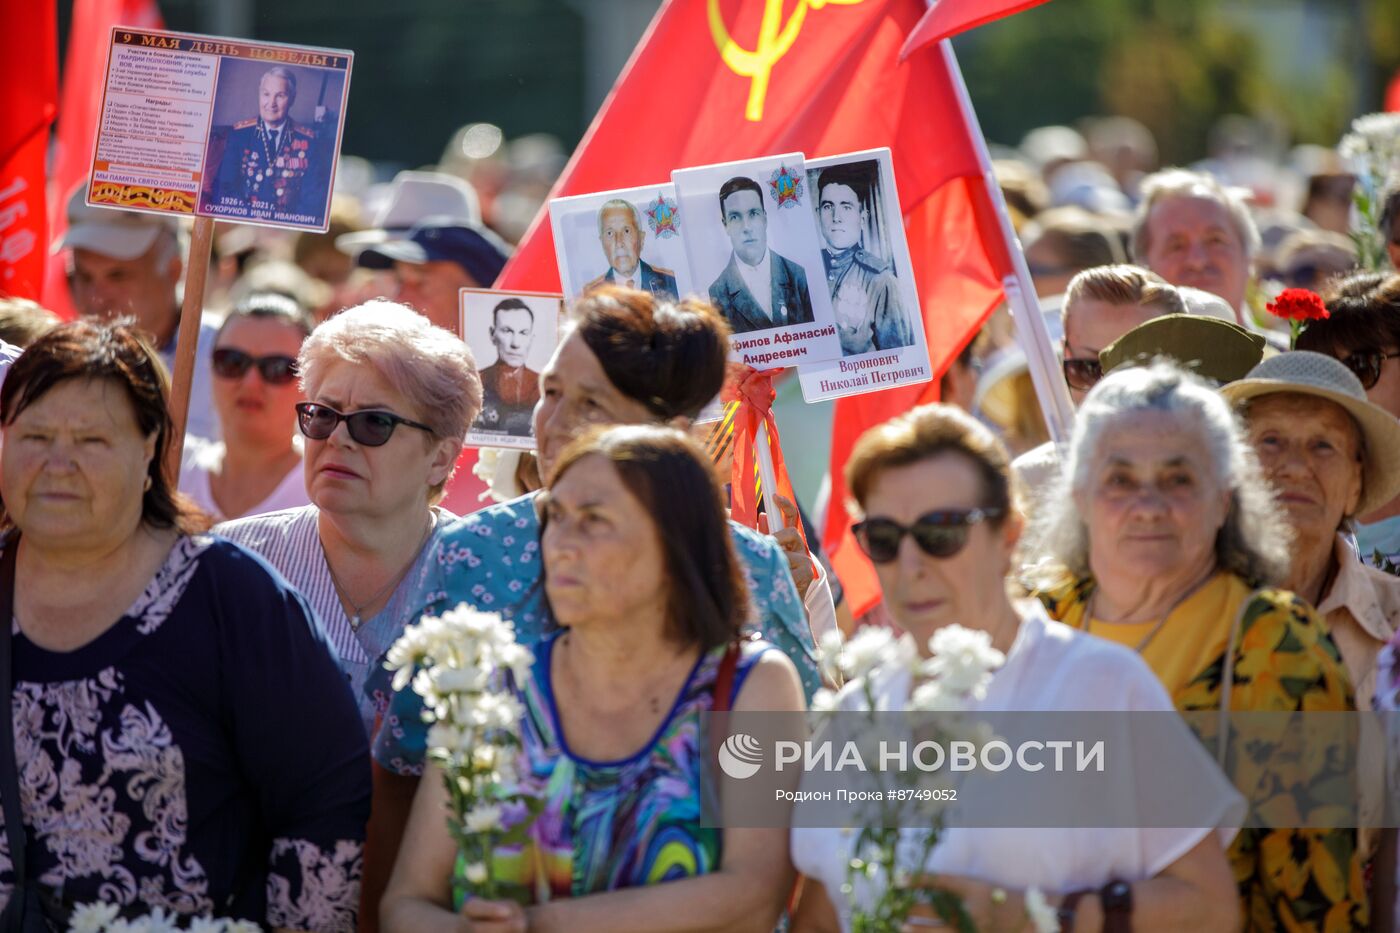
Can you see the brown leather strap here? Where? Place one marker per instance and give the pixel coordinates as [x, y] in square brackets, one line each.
[724, 679]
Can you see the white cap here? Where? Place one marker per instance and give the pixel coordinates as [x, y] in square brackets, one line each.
[114, 233]
[412, 197]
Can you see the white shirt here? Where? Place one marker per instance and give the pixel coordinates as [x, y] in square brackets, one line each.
[202, 421]
[1050, 667]
[758, 280]
[202, 458]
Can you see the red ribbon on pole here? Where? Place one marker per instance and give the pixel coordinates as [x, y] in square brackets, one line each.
[753, 390]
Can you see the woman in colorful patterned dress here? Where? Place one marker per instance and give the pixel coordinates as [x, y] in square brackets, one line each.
[1164, 537]
[184, 739]
[641, 574]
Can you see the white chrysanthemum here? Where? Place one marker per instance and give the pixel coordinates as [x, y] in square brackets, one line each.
[830, 653]
[485, 467]
[476, 873]
[158, 921]
[243, 926]
[1043, 917]
[869, 649]
[483, 818]
[824, 701]
[963, 660]
[934, 697]
[92, 918]
[207, 925]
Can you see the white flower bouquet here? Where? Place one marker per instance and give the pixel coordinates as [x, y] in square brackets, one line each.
[902, 828]
[1373, 149]
[457, 663]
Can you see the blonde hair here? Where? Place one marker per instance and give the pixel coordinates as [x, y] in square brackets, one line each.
[1123, 285]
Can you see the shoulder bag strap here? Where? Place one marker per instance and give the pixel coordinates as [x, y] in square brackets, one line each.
[1227, 681]
[9, 767]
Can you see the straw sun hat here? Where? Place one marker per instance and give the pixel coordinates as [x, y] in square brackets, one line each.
[1322, 376]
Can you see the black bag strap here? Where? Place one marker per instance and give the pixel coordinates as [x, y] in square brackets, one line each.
[9, 767]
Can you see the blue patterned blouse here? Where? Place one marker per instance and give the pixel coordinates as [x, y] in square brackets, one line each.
[491, 561]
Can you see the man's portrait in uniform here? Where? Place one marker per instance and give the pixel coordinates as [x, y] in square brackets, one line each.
[509, 387]
[273, 166]
[621, 236]
[865, 295]
[758, 288]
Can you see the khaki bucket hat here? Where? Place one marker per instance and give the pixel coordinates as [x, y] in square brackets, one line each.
[1321, 376]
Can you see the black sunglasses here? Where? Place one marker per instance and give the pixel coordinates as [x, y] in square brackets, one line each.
[275, 370]
[1367, 365]
[370, 427]
[1083, 374]
[938, 534]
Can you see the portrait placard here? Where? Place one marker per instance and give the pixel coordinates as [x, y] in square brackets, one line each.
[214, 127]
[869, 279]
[632, 237]
[512, 335]
[754, 250]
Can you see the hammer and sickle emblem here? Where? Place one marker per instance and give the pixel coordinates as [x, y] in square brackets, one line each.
[775, 38]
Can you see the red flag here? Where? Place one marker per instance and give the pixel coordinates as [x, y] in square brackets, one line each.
[1392, 95]
[717, 80]
[84, 73]
[949, 17]
[29, 73]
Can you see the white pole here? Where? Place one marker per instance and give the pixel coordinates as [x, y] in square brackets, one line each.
[1046, 371]
[769, 477]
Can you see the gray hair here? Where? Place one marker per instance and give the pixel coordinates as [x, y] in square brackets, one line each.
[1253, 541]
[1182, 183]
[619, 204]
[286, 74]
[426, 364]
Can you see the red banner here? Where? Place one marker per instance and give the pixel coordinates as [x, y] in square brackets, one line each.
[29, 74]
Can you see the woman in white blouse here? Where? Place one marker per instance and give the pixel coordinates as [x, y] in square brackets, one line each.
[940, 525]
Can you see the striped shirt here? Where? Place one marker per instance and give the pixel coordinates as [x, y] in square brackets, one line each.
[290, 541]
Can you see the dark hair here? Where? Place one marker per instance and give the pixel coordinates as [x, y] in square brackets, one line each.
[1364, 313]
[1082, 239]
[924, 433]
[738, 183]
[670, 476]
[668, 355]
[849, 175]
[511, 304]
[111, 352]
[271, 306]
[1390, 209]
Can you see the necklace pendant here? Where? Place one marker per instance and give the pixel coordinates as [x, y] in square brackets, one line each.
[355, 621]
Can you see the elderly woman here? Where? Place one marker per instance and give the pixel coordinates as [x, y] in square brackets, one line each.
[1363, 331]
[257, 467]
[642, 576]
[939, 521]
[1164, 538]
[390, 398]
[182, 736]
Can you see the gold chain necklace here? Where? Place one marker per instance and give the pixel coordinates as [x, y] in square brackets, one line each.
[357, 612]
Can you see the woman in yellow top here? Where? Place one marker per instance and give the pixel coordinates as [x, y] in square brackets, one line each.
[1165, 539]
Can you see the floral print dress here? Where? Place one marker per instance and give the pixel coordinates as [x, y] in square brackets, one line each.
[203, 755]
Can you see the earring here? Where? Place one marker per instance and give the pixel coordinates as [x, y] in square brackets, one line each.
[147, 486]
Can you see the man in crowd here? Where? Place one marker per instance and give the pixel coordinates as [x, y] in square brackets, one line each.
[438, 257]
[509, 388]
[621, 236]
[271, 162]
[864, 293]
[1191, 230]
[126, 263]
[758, 289]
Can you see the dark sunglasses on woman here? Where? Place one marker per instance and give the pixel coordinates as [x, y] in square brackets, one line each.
[275, 370]
[1083, 374]
[371, 427]
[938, 534]
[1367, 365]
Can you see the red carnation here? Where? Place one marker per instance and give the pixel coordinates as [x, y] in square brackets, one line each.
[1298, 304]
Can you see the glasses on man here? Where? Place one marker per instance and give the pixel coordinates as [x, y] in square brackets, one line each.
[371, 427]
[1083, 373]
[939, 534]
[1367, 365]
[275, 370]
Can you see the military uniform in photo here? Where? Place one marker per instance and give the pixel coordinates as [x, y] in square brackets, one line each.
[279, 170]
[508, 397]
[788, 299]
[655, 279]
[865, 297]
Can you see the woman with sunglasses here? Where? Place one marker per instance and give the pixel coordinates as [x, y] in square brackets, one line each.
[1163, 537]
[938, 519]
[256, 468]
[390, 397]
[1363, 331]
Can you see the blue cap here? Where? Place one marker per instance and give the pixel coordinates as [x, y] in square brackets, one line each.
[476, 249]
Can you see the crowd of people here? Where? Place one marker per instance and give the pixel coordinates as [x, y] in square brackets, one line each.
[197, 711]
